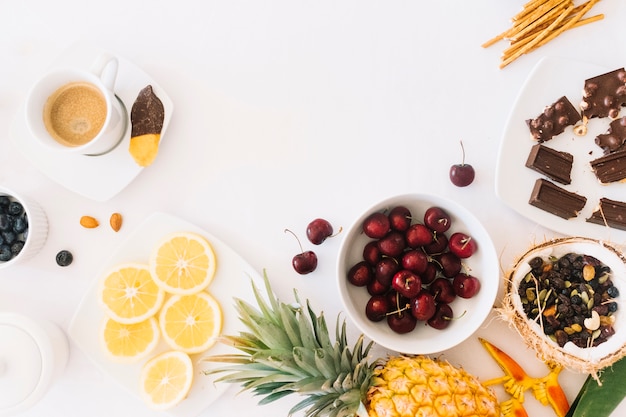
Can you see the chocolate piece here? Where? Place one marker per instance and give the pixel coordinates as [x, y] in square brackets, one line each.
[604, 94]
[554, 164]
[146, 116]
[556, 200]
[610, 168]
[613, 140]
[614, 212]
[553, 121]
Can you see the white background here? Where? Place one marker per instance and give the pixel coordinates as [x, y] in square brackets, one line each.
[285, 110]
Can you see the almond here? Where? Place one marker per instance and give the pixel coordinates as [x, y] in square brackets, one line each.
[116, 221]
[89, 222]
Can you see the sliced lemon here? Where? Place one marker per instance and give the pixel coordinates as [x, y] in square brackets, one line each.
[129, 342]
[191, 323]
[129, 295]
[183, 263]
[166, 379]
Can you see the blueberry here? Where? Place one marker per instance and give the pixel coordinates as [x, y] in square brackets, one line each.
[613, 292]
[9, 237]
[5, 253]
[20, 225]
[4, 201]
[17, 247]
[15, 208]
[64, 258]
[5, 222]
[612, 307]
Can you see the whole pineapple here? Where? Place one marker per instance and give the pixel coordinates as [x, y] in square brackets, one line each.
[288, 350]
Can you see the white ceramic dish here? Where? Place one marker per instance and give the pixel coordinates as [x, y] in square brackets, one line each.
[33, 354]
[37, 228]
[232, 279]
[95, 177]
[424, 339]
[549, 80]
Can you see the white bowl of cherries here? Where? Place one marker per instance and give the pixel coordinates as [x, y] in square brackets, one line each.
[417, 273]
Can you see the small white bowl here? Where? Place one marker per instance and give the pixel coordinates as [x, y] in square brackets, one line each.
[33, 353]
[37, 227]
[469, 314]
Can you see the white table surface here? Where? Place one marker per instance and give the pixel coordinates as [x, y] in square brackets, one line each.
[285, 111]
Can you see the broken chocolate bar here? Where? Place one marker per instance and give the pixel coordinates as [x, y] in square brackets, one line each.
[611, 213]
[553, 121]
[610, 168]
[554, 164]
[604, 94]
[613, 140]
[556, 200]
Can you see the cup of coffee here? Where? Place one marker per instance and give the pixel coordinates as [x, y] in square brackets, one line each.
[76, 110]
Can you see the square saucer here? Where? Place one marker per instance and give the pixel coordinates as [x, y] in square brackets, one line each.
[96, 177]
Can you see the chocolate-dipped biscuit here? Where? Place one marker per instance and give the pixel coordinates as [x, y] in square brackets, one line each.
[553, 121]
[147, 113]
[604, 95]
[146, 118]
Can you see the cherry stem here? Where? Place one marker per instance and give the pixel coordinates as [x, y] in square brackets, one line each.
[338, 231]
[463, 153]
[399, 310]
[294, 235]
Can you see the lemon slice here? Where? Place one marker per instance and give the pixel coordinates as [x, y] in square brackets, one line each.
[129, 295]
[129, 342]
[183, 263]
[191, 323]
[166, 379]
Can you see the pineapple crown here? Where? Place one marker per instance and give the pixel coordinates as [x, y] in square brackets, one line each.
[287, 349]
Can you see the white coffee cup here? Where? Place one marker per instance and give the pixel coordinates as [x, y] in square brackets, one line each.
[76, 110]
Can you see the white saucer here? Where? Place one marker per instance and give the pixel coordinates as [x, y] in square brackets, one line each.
[95, 177]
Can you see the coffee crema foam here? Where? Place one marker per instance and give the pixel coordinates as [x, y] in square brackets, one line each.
[75, 113]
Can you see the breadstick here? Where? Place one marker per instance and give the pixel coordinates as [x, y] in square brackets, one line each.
[570, 23]
[545, 18]
[537, 39]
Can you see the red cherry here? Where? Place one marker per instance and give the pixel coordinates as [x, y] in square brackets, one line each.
[385, 269]
[466, 286]
[360, 274]
[462, 174]
[376, 225]
[437, 219]
[443, 316]
[377, 307]
[400, 218]
[423, 305]
[438, 245]
[392, 244]
[318, 230]
[462, 245]
[304, 262]
[415, 260]
[401, 322]
[418, 235]
[406, 283]
[442, 290]
[371, 253]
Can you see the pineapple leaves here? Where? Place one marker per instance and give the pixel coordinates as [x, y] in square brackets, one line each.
[286, 348]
